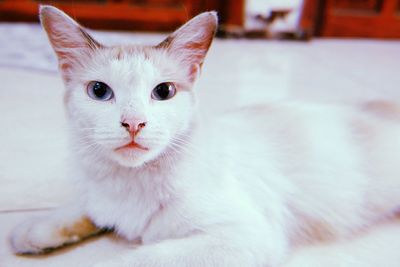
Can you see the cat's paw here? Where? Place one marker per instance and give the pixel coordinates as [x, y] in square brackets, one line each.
[35, 236]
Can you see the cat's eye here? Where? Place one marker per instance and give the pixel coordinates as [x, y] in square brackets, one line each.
[163, 91]
[99, 91]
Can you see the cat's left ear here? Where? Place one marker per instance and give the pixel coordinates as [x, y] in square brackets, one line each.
[191, 42]
[68, 39]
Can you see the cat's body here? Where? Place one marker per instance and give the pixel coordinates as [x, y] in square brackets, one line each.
[264, 158]
[239, 189]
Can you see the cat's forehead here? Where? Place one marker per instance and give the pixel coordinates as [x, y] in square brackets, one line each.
[120, 52]
[126, 63]
[132, 64]
[137, 56]
[136, 53]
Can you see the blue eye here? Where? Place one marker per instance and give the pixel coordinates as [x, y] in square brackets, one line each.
[99, 91]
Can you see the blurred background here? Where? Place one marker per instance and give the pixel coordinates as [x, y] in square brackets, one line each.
[240, 18]
[250, 18]
[332, 51]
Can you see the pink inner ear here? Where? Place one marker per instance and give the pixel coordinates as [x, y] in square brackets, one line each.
[200, 45]
[69, 40]
[191, 42]
[193, 72]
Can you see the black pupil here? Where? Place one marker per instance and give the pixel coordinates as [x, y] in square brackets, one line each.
[162, 91]
[100, 89]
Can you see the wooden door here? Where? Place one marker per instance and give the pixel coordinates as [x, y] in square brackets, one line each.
[147, 15]
[360, 18]
[110, 14]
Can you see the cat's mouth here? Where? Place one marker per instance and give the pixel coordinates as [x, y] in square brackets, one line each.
[131, 145]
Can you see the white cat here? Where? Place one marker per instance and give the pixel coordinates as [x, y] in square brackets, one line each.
[242, 189]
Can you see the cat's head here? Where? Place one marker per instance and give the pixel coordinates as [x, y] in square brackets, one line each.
[129, 103]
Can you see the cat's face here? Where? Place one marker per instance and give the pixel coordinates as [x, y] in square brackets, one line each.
[129, 103]
[126, 95]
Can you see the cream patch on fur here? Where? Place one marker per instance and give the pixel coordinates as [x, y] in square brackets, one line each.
[79, 230]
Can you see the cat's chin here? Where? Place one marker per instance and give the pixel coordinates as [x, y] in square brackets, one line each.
[129, 162]
[133, 158]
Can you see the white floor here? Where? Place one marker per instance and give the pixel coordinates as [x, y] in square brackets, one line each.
[33, 148]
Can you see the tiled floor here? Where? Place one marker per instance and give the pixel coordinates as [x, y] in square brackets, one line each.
[33, 143]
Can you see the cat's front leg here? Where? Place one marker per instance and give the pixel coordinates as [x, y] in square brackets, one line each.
[253, 247]
[61, 227]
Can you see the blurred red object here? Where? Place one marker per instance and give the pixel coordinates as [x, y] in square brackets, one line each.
[139, 15]
[349, 18]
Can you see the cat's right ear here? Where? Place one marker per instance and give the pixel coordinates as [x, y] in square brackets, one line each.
[68, 39]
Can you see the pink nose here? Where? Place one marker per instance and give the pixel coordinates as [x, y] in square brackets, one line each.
[133, 127]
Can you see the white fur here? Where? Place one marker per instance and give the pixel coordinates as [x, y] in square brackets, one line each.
[241, 189]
